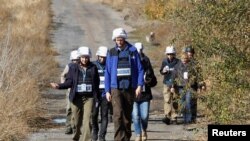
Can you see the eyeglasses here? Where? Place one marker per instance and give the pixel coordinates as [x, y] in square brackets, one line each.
[170, 54]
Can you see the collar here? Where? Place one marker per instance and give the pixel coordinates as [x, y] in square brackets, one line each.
[119, 49]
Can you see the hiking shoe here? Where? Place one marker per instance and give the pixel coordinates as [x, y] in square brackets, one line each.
[166, 120]
[69, 131]
[138, 138]
[144, 136]
[174, 121]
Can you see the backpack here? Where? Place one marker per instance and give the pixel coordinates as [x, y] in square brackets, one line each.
[151, 79]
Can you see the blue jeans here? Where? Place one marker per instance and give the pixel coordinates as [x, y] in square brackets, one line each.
[140, 116]
[186, 97]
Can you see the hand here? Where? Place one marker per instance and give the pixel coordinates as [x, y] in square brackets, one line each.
[165, 69]
[172, 90]
[138, 91]
[54, 85]
[108, 96]
[202, 86]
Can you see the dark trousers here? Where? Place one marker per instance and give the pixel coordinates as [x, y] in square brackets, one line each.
[122, 101]
[104, 105]
[194, 109]
[110, 109]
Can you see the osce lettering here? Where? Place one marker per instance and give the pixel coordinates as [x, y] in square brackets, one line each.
[216, 132]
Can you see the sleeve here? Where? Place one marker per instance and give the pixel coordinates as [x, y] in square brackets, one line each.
[149, 72]
[68, 81]
[64, 73]
[177, 73]
[150, 68]
[162, 66]
[107, 74]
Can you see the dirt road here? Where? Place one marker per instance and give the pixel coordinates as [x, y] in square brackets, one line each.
[80, 23]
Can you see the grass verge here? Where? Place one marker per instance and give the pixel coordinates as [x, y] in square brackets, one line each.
[26, 64]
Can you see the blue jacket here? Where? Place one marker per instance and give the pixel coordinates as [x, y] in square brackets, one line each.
[169, 77]
[111, 69]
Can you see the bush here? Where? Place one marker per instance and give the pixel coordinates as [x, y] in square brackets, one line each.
[25, 64]
[218, 30]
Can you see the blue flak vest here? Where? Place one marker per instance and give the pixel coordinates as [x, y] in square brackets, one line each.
[124, 69]
[101, 72]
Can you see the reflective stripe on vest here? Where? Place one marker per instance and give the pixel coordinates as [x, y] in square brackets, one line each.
[102, 81]
[101, 71]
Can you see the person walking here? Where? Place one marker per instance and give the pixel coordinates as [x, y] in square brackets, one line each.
[141, 105]
[83, 81]
[74, 58]
[168, 71]
[102, 103]
[189, 50]
[123, 82]
[187, 84]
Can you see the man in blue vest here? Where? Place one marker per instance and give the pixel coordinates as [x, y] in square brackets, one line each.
[123, 82]
[102, 103]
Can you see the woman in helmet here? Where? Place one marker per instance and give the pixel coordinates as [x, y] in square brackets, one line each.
[141, 105]
[83, 81]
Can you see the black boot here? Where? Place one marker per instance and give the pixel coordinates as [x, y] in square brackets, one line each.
[166, 120]
[69, 131]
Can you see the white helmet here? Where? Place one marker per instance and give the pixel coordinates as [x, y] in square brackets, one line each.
[170, 50]
[102, 51]
[84, 51]
[139, 46]
[74, 55]
[119, 32]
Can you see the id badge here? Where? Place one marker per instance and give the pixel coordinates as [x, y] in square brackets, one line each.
[81, 88]
[185, 75]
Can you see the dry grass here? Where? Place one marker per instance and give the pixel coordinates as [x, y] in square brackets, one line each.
[25, 63]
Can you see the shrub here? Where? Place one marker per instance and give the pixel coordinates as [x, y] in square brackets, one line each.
[25, 64]
[219, 32]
